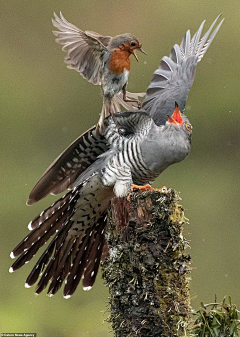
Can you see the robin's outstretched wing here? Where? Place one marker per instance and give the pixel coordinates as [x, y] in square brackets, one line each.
[63, 172]
[173, 79]
[86, 51]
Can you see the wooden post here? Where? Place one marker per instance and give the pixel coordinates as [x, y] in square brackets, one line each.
[147, 270]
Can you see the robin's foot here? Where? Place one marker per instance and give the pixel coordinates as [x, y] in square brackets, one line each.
[139, 104]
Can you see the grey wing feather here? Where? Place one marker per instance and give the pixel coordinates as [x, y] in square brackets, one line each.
[123, 125]
[85, 50]
[128, 124]
[173, 79]
[63, 172]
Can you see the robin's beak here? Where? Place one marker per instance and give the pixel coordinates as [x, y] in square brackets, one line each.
[135, 55]
[176, 117]
[143, 51]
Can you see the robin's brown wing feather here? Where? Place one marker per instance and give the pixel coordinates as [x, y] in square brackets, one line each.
[69, 165]
[85, 50]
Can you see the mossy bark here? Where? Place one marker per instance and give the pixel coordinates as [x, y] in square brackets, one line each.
[147, 270]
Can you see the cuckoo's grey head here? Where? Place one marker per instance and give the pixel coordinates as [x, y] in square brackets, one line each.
[179, 121]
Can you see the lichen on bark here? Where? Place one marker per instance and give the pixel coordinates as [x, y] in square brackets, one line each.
[147, 270]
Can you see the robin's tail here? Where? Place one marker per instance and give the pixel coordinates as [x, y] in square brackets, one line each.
[114, 105]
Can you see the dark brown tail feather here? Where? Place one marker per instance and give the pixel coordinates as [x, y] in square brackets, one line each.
[52, 266]
[64, 265]
[50, 224]
[95, 256]
[73, 258]
[87, 258]
[48, 213]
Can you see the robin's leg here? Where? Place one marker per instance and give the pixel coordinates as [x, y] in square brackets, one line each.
[107, 106]
[124, 89]
[106, 111]
[109, 109]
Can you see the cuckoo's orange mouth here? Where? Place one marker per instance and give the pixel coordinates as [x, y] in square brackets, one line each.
[176, 117]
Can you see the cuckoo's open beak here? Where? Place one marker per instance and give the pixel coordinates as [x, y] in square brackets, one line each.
[176, 117]
[171, 120]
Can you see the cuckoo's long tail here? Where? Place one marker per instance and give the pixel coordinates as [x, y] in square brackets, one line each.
[77, 221]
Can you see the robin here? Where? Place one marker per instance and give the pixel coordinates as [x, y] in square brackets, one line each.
[102, 60]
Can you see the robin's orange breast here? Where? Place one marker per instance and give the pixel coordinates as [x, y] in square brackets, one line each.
[119, 61]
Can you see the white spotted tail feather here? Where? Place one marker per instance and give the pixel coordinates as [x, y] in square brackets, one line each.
[76, 249]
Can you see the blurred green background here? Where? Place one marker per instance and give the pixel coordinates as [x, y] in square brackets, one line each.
[45, 106]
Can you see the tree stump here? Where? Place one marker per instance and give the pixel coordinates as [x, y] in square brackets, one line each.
[147, 270]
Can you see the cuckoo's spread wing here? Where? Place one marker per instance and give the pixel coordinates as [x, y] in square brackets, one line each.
[63, 172]
[173, 79]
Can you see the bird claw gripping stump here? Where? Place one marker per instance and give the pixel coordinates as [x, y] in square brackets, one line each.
[145, 188]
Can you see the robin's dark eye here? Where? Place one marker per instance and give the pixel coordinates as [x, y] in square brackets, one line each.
[133, 44]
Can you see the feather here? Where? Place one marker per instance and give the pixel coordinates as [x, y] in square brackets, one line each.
[71, 163]
[173, 79]
[82, 48]
[77, 221]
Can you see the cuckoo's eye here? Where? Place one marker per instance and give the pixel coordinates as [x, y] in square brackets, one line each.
[188, 126]
[133, 43]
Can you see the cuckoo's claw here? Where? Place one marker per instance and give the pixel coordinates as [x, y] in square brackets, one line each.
[145, 188]
[142, 188]
[137, 187]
